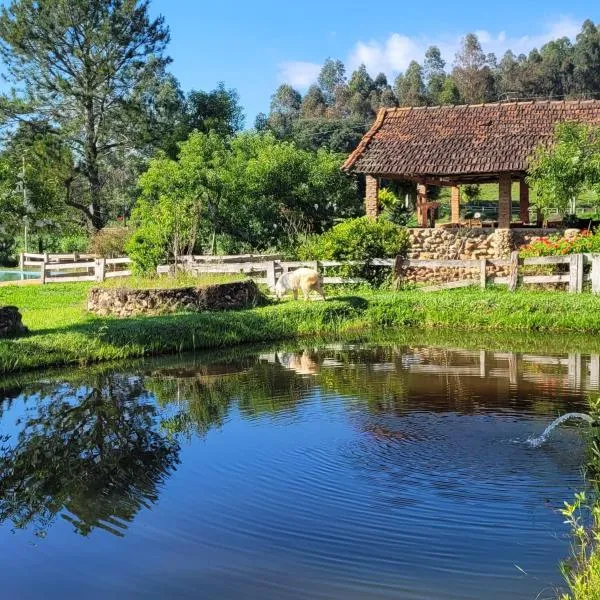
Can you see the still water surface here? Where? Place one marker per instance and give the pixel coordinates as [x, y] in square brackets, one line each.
[340, 472]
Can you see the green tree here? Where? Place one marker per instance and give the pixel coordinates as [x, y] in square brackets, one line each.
[336, 135]
[509, 76]
[361, 82]
[560, 173]
[313, 103]
[586, 60]
[472, 72]
[410, 88]
[179, 204]
[218, 110]
[250, 192]
[84, 62]
[435, 75]
[47, 163]
[331, 77]
[285, 109]
[449, 94]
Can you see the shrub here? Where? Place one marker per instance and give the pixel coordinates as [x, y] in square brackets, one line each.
[361, 239]
[556, 245]
[109, 242]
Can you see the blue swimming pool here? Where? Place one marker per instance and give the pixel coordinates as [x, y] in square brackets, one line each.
[18, 275]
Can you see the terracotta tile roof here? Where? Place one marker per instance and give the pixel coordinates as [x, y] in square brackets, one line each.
[462, 140]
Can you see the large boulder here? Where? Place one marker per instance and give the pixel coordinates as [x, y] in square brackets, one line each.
[10, 322]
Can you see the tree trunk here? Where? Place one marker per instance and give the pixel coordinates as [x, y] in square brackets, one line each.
[92, 170]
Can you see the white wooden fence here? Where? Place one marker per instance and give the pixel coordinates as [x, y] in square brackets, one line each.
[61, 268]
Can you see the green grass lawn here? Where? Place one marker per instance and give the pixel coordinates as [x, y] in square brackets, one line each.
[63, 333]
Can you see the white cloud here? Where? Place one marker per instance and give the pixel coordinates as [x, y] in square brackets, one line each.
[394, 54]
[499, 43]
[298, 73]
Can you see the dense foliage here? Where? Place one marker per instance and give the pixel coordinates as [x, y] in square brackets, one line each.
[361, 239]
[560, 173]
[338, 107]
[249, 192]
[97, 104]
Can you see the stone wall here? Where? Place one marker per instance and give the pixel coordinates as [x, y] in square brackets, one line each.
[460, 243]
[125, 302]
[10, 322]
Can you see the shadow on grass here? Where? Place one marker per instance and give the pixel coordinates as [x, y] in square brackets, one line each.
[105, 338]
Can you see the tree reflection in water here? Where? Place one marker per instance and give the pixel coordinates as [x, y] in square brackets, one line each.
[97, 452]
[93, 454]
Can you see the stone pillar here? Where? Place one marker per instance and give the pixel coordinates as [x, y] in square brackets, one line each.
[524, 201]
[371, 196]
[455, 204]
[421, 199]
[504, 202]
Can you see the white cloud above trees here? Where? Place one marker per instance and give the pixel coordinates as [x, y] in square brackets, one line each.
[393, 54]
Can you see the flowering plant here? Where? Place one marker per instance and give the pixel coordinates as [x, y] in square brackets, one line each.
[556, 245]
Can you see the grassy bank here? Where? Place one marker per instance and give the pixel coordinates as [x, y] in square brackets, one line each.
[62, 333]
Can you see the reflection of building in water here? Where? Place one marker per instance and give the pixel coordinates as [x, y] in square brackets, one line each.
[461, 376]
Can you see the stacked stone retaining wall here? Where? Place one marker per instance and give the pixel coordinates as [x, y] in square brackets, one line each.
[464, 244]
[125, 302]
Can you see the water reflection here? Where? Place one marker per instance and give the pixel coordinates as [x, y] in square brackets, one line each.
[340, 471]
[90, 453]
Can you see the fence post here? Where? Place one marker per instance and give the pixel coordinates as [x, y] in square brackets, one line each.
[100, 269]
[596, 274]
[271, 280]
[482, 273]
[43, 268]
[21, 261]
[513, 277]
[576, 273]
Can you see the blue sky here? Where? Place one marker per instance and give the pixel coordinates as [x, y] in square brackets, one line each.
[254, 45]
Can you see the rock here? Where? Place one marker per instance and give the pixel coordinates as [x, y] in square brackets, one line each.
[10, 322]
[571, 233]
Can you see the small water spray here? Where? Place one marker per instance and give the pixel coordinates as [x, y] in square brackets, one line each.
[535, 442]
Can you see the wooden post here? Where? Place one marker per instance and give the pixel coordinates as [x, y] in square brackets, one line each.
[100, 269]
[594, 371]
[43, 268]
[271, 279]
[513, 277]
[523, 201]
[482, 273]
[596, 274]
[504, 201]
[482, 364]
[398, 264]
[576, 273]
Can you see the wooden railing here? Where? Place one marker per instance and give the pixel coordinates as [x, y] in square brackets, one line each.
[575, 277]
[55, 268]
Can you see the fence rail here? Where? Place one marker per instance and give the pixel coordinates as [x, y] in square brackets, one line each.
[55, 268]
[575, 277]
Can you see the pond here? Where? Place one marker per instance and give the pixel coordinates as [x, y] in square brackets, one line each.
[341, 471]
[18, 275]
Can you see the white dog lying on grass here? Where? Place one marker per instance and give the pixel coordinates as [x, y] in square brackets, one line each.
[304, 279]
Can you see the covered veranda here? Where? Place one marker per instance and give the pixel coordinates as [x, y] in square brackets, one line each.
[458, 145]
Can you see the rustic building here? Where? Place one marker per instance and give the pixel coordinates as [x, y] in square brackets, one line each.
[454, 145]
